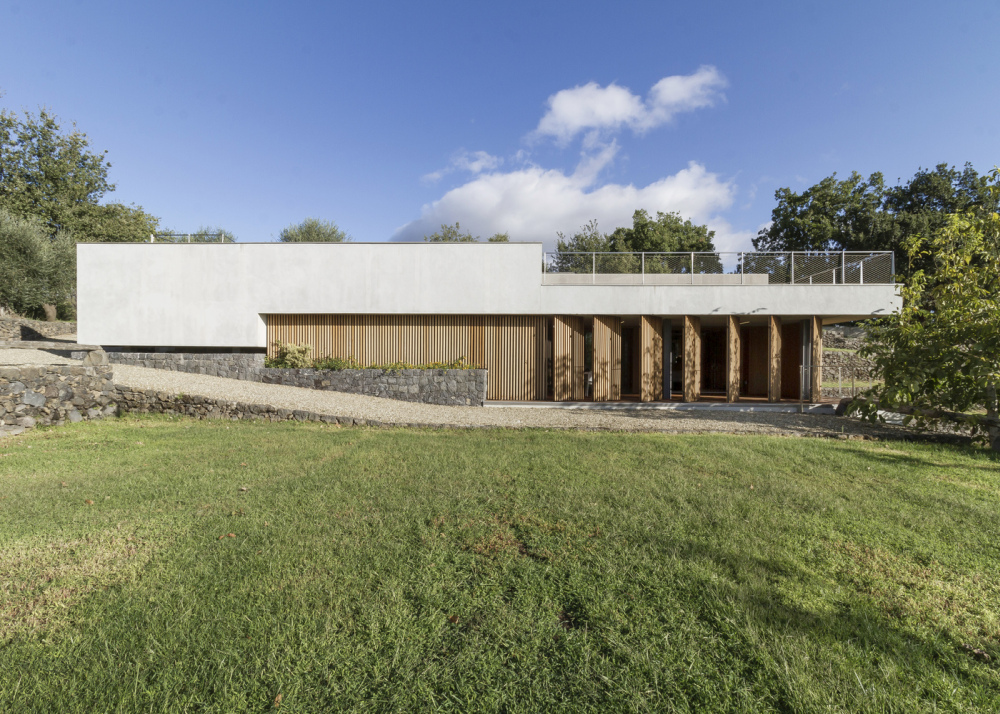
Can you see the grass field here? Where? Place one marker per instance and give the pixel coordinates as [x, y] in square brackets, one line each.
[170, 565]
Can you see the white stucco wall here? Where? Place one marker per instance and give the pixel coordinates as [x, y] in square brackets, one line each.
[205, 295]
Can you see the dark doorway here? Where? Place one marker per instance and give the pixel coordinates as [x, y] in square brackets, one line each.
[791, 360]
[631, 361]
[713, 360]
[676, 362]
[753, 361]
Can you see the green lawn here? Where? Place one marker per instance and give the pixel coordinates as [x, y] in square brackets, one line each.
[411, 570]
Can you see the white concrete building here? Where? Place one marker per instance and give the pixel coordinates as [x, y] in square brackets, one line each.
[547, 326]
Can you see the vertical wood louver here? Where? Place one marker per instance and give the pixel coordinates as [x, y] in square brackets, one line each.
[692, 358]
[607, 358]
[567, 358]
[510, 347]
[816, 359]
[733, 354]
[773, 359]
[651, 355]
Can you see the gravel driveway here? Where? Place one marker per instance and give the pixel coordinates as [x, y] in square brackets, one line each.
[389, 411]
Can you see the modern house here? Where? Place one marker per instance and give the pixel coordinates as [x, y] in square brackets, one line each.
[547, 326]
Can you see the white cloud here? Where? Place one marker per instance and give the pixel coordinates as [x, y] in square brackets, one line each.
[474, 162]
[592, 107]
[533, 204]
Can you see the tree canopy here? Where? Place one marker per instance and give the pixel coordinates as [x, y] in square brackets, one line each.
[865, 214]
[942, 351]
[55, 177]
[313, 230]
[454, 234]
[667, 233]
[37, 272]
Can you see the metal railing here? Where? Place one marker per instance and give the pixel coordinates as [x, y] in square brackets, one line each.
[188, 238]
[745, 268]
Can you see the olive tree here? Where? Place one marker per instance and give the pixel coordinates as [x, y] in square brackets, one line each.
[313, 230]
[939, 357]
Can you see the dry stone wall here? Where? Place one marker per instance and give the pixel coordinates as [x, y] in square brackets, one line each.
[32, 395]
[845, 365]
[139, 401]
[21, 328]
[464, 387]
[223, 364]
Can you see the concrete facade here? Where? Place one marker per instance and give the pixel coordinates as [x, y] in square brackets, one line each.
[214, 295]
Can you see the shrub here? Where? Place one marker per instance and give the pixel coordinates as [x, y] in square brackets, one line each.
[337, 363]
[291, 356]
[297, 357]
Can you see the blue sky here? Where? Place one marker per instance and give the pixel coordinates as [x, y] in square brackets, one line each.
[391, 118]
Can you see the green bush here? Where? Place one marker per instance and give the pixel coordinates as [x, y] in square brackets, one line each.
[297, 357]
[337, 363]
[290, 356]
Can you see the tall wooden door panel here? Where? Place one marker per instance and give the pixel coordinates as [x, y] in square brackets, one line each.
[607, 358]
[651, 346]
[567, 358]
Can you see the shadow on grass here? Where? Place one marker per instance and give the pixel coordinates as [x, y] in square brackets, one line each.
[853, 624]
[803, 424]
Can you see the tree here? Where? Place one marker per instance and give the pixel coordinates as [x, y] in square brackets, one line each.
[667, 233]
[454, 234]
[114, 223]
[313, 230]
[451, 234]
[940, 356]
[865, 215]
[46, 173]
[37, 273]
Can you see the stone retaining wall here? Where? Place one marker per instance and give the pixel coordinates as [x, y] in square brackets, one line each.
[846, 365]
[224, 364]
[464, 387]
[138, 401]
[54, 394]
[21, 328]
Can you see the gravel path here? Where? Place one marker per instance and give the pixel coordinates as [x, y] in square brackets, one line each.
[389, 411]
[19, 356]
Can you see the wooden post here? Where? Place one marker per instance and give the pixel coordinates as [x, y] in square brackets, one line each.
[816, 374]
[651, 341]
[692, 358]
[607, 358]
[773, 359]
[733, 359]
[567, 358]
[561, 359]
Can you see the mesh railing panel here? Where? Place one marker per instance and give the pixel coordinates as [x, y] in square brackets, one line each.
[814, 268]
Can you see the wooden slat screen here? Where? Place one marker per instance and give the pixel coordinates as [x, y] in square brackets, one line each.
[692, 358]
[816, 359]
[651, 341]
[567, 358]
[733, 354]
[510, 347]
[773, 359]
[607, 358]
